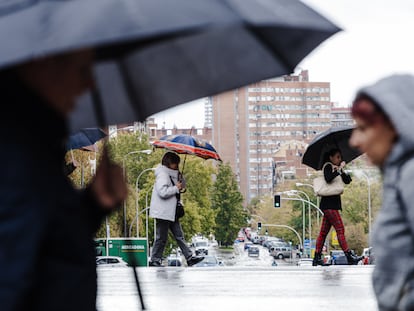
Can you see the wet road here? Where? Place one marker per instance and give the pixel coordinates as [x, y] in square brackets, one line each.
[248, 284]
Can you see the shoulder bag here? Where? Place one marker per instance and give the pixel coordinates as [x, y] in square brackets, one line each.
[179, 208]
[324, 189]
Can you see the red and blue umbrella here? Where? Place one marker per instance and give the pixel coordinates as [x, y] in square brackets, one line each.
[187, 144]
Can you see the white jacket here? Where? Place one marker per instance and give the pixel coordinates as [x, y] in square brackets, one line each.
[163, 199]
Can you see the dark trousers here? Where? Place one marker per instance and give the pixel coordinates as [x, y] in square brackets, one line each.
[331, 218]
[161, 239]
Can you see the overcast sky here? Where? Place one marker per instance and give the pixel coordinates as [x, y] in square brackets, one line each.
[376, 41]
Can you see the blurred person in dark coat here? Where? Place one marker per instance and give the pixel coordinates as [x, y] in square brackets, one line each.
[47, 256]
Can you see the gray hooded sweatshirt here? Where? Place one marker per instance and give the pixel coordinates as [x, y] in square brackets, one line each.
[393, 232]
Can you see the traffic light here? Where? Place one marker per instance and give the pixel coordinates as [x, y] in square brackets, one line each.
[259, 226]
[277, 200]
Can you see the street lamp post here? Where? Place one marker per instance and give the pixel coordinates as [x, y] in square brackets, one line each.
[299, 184]
[147, 151]
[309, 212]
[287, 227]
[359, 173]
[136, 201]
[303, 212]
[299, 198]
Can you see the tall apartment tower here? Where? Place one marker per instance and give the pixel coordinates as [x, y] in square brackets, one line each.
[251, 124]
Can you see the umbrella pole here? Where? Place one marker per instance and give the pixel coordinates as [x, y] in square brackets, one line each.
[182, 170]
[185, 156]
[97, 103]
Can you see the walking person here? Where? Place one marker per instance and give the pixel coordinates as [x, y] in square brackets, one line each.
[331, 205]
[384, 114]
[163, 208]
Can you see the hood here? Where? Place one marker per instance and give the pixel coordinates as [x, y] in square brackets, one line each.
[395, 95]
[161, 169]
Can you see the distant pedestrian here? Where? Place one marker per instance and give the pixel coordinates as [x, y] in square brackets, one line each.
[384, 114]
[163, 208]
[331, 205]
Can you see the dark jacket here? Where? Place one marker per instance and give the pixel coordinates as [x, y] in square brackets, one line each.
[333, 201]
[47, 259]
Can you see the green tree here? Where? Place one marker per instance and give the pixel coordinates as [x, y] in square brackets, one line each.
[199, 180]
[227, 201]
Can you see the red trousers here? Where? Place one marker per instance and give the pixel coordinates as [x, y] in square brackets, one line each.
[331, 218]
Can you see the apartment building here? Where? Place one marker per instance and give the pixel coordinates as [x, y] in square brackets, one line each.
[262, 129]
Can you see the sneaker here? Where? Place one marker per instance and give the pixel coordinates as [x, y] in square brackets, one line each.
[193, 260]
[155, 264]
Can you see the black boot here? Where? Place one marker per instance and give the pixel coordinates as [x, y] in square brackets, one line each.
[352, 258]
[317, 260]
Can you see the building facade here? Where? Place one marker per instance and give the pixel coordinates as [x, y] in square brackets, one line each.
[262, 129]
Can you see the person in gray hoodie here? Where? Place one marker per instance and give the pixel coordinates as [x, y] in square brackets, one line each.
[384, 114]
[163, 208]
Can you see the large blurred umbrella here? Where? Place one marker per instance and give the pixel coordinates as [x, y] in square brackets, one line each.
[335, 137]
[154, 54]
[187, 144]
[192, 49]
[84, 138]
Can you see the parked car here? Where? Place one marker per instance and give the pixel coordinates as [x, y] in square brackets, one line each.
[336, 257]
[305, 262]
[240, 238]
[270, 240]
[247, 245]
[281, 252]
[174, 261]
[369, 258]
[260, 240]
[274, 244]
[209, 261]
[201, 247]
[110, 261]
[253, 251]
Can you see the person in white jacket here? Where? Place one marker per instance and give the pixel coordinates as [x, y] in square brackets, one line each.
[163, 207]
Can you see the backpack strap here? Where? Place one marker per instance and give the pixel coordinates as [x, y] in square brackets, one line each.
[177, 195]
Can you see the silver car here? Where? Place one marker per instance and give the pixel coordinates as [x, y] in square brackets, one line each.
[110, 261]
[253, 251]
[281, 252]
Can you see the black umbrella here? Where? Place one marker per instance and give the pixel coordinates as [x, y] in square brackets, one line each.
[234, 43]
[154, 54]
[84, 137]
[335, 137]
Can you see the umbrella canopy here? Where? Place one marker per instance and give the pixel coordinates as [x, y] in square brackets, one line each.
[335, 137]
[85, 137]
[204, 48]
[187, 144]
[154, 54]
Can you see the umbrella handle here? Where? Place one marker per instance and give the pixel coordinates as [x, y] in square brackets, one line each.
[102, 122]
[71, 155]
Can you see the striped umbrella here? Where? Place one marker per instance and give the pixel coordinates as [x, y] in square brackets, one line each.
[187, 144]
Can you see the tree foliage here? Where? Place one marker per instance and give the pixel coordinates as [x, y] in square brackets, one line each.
[227, 201]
